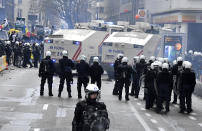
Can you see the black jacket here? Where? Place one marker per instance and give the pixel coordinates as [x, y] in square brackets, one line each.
[82, 114]
[96, 71]
[66, 66]
[187, 80]
[150, 76]
[124, 72]
[141, 67]
[164, 83]
[46, 67]
[82, 69]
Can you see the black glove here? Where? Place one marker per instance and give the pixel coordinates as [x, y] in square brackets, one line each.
[72, 81]
[39, 75]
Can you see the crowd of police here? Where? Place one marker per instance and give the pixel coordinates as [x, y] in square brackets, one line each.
[158, 78]
[21, 54]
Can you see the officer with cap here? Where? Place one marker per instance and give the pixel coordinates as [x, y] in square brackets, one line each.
[90, 114]
[46, 71]
[83, 70]
[96, 72]
[66, 66]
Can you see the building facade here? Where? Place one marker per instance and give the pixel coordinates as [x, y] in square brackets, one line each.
[184, 16]
[7, 11]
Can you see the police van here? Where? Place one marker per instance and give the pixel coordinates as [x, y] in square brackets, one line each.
[129, 44]
[77, 42]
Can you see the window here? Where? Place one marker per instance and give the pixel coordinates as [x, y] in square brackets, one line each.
[19, 1]
[107, 44]
[19, 13]
[138, 46]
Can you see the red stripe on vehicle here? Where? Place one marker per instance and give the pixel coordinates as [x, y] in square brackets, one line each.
[78, 54]
[79, 49]
[140, 53]
[103, 40]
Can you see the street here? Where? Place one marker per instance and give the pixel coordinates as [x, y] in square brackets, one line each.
[22, 108]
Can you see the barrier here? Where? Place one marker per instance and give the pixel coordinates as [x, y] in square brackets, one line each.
[3, 63]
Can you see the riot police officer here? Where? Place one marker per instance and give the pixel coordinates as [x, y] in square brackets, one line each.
[187, 84]
[96, 71]
[141, 68]
[176, 71]
[124, 72]
[150, 87]
[36, 54]
[134, 75]
[16, 53]
[116, 64]
[90, 115]
[46, 71]
[164, 87]
[8, 51]
[66, 66]
[83, 73]
[27, 55]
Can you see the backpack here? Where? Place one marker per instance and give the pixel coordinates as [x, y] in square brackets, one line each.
[95, 120]
[47, 66]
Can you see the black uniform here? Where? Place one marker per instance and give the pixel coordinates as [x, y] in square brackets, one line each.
[83, 73]
[174, 73]
[88, 116]
[164, 87]
[151, 90]
[36, 54]
[46, 71]
[140, 68]
[17, 55]
[66, 66]
[8, 51]
[187, 84]
[116, 64]
[27, 56]
[135, 81]
[96, 72]
[124, 73]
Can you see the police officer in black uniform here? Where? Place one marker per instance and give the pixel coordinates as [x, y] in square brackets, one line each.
[46, 71]
[8, 51]
[134, 75]
[116, 64]
[83, 73]
[66, 66]
[164, 87]
[90, 115]
[27, 55]
[124, 73]
[187, 84]
[96, 72]
[141, 68]
[176, 72]
[151, 90]
[36, 54]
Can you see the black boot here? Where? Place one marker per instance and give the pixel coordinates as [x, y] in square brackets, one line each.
[127, 98]
[59, 94]
[69, 94]
[41, 93]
